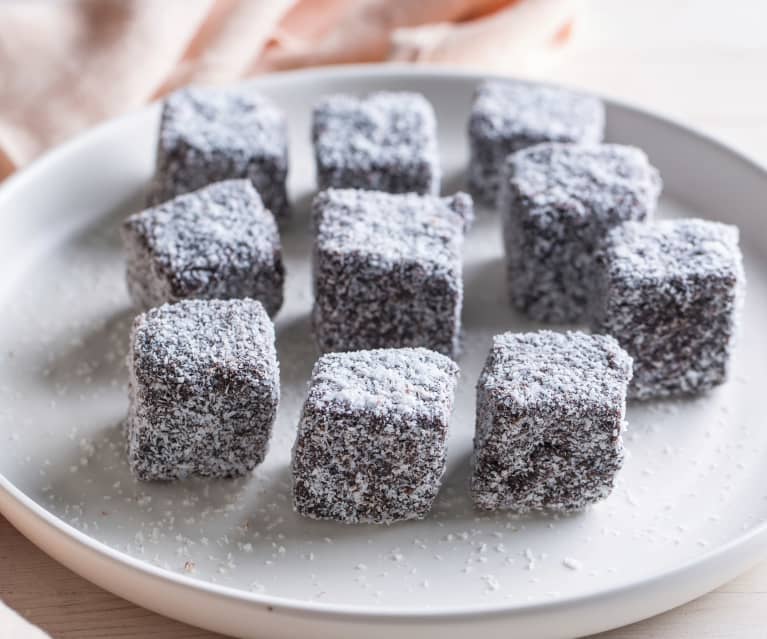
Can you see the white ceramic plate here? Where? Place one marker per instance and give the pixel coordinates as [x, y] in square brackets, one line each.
[689, 511]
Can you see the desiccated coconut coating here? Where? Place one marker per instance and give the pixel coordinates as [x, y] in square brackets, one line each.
[670, 294]
[387, 270]
[371, 444]
[212, 134]
[550, 412]
[557, 202]
[509, 116]
[385, 141]
[203, 387]
[218, 242]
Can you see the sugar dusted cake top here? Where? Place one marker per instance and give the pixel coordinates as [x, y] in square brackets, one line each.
[204, 335]
[401, 381]
[392, 226]
[537, 113]
[551, 367]
[604, 180]
[380, 129]
[678, 248]
[211, 118]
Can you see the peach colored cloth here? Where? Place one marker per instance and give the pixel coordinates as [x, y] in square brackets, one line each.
[67, 65]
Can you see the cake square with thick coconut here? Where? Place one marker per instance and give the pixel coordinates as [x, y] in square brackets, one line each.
[385, 141]
[209, 134]
[557, 202]
[388, 270]
[372, 440]
[215, 243]
[509, 116]
[550, 412]
[203, 389]
[671, 293]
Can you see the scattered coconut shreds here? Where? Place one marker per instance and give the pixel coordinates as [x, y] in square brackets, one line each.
[572, 564]
[491, 582]
[530, 557]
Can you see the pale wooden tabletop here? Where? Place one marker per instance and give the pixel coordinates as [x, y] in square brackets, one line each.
[703, 63]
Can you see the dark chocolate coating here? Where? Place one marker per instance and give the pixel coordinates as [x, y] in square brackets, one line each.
[385, 141]
[212, 134]
[550, 412]
[216, 243]
[371, 443]
[203, 387]
[557, 202]
[387, 270]
[509, 116]
[670, 294]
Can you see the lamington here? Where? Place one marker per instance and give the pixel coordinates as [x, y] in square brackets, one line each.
[550, 412]
[387, 270]
[509, 116]
[209, 134]
[203, 389]
[219, 242]
[371, 443]
[385, 141]
[557, 203]
[670, 293]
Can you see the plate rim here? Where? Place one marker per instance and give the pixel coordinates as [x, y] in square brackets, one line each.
[12, 498]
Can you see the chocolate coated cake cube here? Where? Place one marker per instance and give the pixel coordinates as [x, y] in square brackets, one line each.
[203, 387]
[557, 202]
[385, 141]
[509, 116]
[387, 270]
[371, 442]
[216, 243]
[211, 134]
[550, 412]
[670, 294]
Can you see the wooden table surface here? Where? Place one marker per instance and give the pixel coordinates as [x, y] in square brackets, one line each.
[703, 62]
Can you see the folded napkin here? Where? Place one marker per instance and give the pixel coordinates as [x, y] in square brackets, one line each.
[66, 65]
